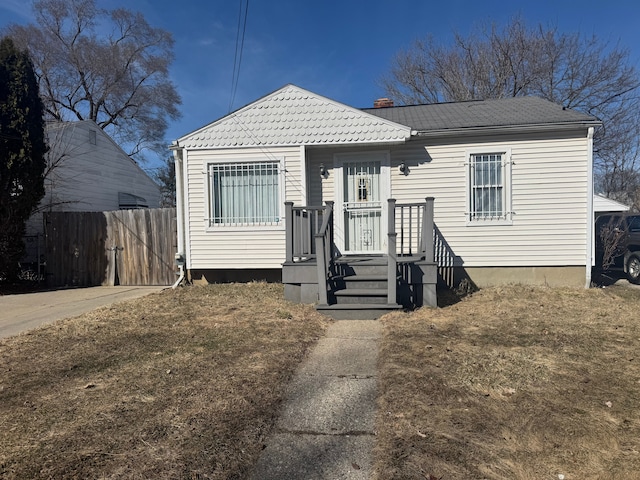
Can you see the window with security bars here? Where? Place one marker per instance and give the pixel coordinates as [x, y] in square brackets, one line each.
[487, 187]
[244, 194]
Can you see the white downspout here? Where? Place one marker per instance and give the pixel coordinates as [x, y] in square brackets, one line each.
[590, 219]
[181, 253]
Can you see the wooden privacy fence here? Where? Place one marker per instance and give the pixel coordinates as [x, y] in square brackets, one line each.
[123, 247]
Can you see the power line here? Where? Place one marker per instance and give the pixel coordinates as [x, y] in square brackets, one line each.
[237, 60]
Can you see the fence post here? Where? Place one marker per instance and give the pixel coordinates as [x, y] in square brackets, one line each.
[288, 224]
[392, 253]
[427, 229]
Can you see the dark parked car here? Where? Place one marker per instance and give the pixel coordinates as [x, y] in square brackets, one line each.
[618, 244]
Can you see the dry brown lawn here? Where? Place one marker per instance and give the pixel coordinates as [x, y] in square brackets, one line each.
[509, 383]
[513, 383]
[182, 384]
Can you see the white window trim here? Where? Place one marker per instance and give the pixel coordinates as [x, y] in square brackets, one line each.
[507, 187]
[244, 227]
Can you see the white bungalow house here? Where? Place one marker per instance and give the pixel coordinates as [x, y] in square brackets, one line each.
[351, 207]
[87, 172]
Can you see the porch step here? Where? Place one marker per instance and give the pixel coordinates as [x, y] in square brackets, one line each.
[357, 311]
[361, 265]
[359, 289]
[361, 296]
[360, 281]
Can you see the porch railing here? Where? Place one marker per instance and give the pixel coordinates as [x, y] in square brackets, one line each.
[309, 236]
[415, 222]
[302, 225]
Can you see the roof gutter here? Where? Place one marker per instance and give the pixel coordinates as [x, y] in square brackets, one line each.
[541, 127]
[590, 253]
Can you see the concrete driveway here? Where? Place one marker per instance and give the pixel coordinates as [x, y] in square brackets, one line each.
[19, 313]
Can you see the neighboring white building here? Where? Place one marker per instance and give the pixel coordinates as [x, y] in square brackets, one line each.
[89, 172]
[602, 204]
[511, 178]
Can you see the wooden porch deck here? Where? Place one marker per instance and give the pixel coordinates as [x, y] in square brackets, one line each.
[361, 286]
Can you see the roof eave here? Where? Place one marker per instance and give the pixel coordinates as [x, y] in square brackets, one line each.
[176, 145]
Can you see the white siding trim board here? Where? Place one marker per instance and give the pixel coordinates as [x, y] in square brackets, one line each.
[188, 224]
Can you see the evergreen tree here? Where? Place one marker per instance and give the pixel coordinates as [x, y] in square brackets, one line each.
[22, 153]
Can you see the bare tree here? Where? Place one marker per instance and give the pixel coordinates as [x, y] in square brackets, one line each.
[581, 73]
[165, 176]
[118, 79]
[614, 238]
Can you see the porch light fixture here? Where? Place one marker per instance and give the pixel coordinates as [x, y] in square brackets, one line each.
[323, 170]
[402, 167]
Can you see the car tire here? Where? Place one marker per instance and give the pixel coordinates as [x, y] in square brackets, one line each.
[633, 269]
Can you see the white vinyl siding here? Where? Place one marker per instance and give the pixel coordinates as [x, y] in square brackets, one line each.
[237, 246]
[549, 191]
[244, 194]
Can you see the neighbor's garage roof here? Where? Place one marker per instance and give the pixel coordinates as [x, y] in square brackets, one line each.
[604, 204]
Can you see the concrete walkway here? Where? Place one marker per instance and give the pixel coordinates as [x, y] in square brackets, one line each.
[327, 426]
[22, 312]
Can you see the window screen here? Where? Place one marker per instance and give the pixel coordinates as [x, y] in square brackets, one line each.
[244, 194]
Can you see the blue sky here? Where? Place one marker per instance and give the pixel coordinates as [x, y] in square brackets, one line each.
[338, 49]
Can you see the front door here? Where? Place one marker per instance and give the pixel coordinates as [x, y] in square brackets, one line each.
[363, 204]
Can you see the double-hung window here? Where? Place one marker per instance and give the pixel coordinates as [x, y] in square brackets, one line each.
[489, 189]
[246, 193]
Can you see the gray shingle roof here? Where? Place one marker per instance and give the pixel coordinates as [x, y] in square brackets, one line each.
[505, 112]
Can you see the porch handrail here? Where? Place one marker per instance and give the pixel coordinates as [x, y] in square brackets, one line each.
[302, 224]
[324, 253]
[392, 260]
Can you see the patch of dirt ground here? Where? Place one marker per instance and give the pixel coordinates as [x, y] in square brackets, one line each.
[181, 384]
[513, 383]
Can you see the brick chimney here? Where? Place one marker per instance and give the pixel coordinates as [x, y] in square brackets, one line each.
[382, 103]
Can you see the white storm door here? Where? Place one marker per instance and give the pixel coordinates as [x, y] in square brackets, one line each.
[364, 191]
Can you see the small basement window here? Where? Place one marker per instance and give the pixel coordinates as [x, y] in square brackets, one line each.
[128, 201]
